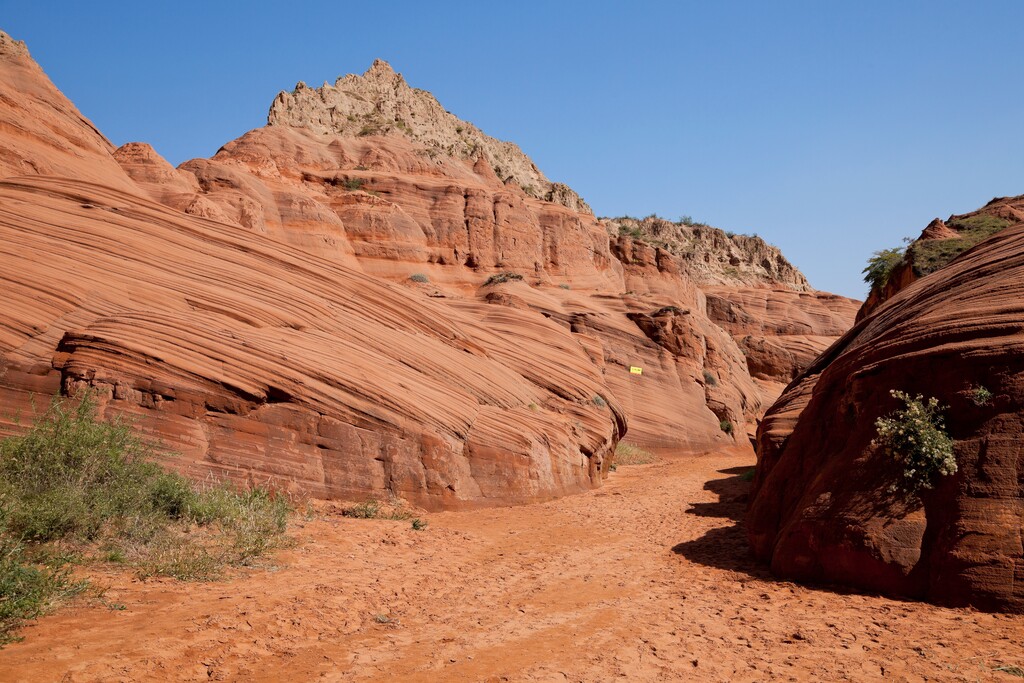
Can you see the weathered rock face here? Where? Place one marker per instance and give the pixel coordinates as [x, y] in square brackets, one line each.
[941, 242]
[712, 256]
[43, 133]
[747, 288]
[240, 308]
[386, 205]
[380, 102]
[820, 508]
[255, 359]
[780, 331]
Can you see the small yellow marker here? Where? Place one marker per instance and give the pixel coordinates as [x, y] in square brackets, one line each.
[634, 370]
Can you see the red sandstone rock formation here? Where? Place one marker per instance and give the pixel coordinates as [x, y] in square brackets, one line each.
[821, 508]
[255, 310]
[780, 331]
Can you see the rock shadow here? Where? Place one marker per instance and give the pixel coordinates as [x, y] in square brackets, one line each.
[724, 547]
[733, 494]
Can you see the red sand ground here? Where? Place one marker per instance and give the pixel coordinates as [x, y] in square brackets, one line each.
[646, 579]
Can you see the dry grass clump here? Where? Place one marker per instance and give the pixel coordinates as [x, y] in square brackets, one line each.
[628, 454]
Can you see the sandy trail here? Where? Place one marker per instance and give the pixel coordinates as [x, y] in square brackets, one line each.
[646, 579]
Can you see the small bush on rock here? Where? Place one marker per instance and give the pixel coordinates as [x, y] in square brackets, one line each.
[981, 396]
[419, 277]
[915, 436]
[500, 278]
[880, 266]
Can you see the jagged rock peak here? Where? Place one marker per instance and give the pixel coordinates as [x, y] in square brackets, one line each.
[713, 256]
[380, 102]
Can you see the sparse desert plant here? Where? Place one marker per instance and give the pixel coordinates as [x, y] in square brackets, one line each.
[725, 426]
[930, 255]
[631, 231]
[1011, 669]
[499, 278]
[915, 436]
[709, 379]
[367, 510]
[665, 310]
[749, 474]
[353, 184]
[599, 401]
[880, 267]
[564, 286]
[394, 510]
[980, 396]
[628, 454]
[419, 277]
[73, 485]
[419, 524]
[29, 588]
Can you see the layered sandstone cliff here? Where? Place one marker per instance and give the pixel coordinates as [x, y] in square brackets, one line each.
[714, 257]
[825, 506]
[354, 313]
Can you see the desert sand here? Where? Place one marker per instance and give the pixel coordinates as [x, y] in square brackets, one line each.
[646, 579]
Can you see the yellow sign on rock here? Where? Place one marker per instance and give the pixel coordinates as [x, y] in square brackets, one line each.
[634, 370]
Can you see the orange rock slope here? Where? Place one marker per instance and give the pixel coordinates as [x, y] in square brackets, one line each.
[822, 508]
[256, 311]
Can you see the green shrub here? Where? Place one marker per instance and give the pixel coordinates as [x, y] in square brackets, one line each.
[725, 426]
[981, 396]
[28, 588]
[749, 474]
[631, 231]
[880, 267]
[419, 524]
[374, 509]
[599, 401]
[709, 379]
[500, 278]
[564, 286]
[353, 184]
[915, 436]
[74, 482]
[368, 510]
[419, 277]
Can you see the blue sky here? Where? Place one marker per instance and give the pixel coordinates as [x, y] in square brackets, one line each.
[831, 130]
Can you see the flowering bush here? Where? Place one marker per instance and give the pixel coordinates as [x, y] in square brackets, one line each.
[916, 437]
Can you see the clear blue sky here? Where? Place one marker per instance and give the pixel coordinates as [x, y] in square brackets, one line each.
[830, 130]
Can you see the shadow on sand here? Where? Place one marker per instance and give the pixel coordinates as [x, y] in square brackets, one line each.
[724, 547]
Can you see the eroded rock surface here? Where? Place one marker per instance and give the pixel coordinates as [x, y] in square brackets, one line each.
[822, 509]
[351, 312]
[381, 102]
